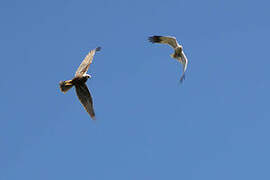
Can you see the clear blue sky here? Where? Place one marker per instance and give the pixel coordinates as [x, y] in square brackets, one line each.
[214, 126]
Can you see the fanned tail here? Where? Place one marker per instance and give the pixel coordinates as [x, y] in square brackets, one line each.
[65, 85]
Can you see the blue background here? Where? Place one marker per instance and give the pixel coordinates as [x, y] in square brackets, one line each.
[214, 126]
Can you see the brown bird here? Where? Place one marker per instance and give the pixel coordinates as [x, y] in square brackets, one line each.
[79, 82]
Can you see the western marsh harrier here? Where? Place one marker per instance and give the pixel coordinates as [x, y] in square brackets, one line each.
[79, 82]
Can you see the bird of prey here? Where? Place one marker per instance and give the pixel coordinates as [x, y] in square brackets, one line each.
[178, 54]
[79, 82]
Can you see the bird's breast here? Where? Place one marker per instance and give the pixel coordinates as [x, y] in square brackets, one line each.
[178, 52]
[79, 80]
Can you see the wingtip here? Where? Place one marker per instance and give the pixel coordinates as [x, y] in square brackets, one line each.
[93, 115]
[98, 48]
[154, 39]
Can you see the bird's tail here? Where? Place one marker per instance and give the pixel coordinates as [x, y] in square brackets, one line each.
[65, 85]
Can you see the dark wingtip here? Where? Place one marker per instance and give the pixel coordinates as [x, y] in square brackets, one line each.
[154, 39]
[93, 116]
[98, 48]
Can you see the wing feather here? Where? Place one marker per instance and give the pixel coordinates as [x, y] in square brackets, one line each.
[83, 68]
[164, 40]
[85, 98]
[184, 62]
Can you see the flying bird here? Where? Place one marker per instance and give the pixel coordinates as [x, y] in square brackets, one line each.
[79, 82]
[178, 54]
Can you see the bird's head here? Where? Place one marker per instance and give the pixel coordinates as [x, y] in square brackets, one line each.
[87, 76]
[180, 48]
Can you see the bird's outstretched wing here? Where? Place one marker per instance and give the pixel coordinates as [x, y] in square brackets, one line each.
[164, 40]
[85, 98]
[184, 62]
[83, 68]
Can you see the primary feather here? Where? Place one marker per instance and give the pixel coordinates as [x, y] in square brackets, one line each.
[85, 98]
[84, 66]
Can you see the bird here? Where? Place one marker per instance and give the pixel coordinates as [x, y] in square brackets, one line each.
[178, 54]
[79, 81]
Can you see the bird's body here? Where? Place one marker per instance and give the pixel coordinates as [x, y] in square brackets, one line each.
[178, 54]
[79, 81]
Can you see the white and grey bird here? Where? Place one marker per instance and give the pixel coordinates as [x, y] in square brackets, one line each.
[178, 54]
